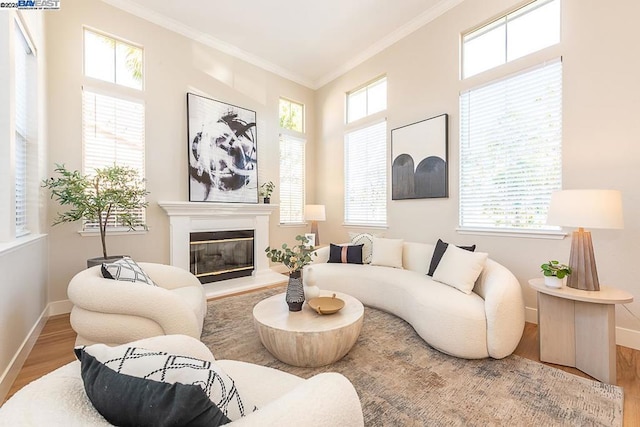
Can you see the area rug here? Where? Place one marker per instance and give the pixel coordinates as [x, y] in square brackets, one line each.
[402, 381]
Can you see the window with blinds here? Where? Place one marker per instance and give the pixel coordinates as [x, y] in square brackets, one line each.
[365, 157]
[113, 133]
[24, 78]
[511, 150]
[292, 161]
[113, 120]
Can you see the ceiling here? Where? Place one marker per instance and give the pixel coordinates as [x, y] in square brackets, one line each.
[309, 42]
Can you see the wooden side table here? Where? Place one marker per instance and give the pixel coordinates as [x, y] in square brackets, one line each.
[577, 328]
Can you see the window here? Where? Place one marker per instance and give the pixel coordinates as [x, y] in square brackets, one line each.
[292, 162]
[367, 100]
[113, 116]
[291, 115]
[524, 31]
[25, 78]
[510, 149]
[365, 157]
[112, 60]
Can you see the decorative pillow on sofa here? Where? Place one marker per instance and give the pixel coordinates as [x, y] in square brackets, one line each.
[460, 268]
[387, 252]
[365, 239]
[127, 270]
[134, 386]
[347, 254]
[439, 250]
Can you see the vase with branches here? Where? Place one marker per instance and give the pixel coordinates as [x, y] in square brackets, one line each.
[294, 258]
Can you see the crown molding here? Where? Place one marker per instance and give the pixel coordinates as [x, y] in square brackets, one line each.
[208, 40]
[424, 18]
[418, 22]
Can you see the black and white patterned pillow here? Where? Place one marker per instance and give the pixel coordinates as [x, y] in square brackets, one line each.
[127, 270]
[366, 240]
[135, 386]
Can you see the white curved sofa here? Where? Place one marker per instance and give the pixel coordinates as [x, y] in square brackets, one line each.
[117, 312]
[487, 323]
[59, 399]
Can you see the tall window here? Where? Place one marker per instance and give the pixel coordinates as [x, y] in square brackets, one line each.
[526, 30]
[510, 149]
[291, 179]
[25, 78]
[365, 159]
[292, 162]
[113, 112]
[365, 156]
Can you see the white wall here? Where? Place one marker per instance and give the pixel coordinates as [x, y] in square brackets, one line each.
[23, 261]
[601, 147]
[174, 65]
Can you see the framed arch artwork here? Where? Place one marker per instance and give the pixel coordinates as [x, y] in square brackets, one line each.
[419, 160]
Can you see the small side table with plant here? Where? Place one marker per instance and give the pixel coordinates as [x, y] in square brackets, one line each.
[294, 258]
[554, 273]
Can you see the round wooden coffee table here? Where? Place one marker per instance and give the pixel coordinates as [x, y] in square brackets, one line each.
[306, 338]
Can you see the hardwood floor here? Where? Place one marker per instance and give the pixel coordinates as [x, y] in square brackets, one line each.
[54, 348]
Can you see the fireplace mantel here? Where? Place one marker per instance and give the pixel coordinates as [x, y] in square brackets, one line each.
[187, 217]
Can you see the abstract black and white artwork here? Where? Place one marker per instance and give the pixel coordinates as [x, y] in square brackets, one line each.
[419, 160]
[223, 164]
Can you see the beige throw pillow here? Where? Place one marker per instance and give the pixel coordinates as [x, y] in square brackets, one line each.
[460, 268]
[387, 252]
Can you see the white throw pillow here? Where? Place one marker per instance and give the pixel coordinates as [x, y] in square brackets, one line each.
[387, 252]
[365, 239]
[460, 268]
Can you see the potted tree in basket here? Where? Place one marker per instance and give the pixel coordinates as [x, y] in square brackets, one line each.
[294, 258]
[554, 273]
[114, 191]
[265, 191]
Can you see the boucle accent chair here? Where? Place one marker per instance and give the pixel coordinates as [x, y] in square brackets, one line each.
[326, 399]
[117, 312]
[488, 322]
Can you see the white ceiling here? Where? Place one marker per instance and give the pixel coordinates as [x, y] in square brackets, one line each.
[309, 42]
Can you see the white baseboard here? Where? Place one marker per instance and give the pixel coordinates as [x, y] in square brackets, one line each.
[624, 337]
[11, 373]
[60, 307]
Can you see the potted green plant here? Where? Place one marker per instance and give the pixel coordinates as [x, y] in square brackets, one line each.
[554, 273]
[265, 191]
[110, 191]
[294, 258]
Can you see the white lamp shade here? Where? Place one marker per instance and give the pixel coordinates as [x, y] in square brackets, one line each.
[314, 213]
[586, 209]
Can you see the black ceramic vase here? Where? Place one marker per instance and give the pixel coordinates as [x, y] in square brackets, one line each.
[295, 291]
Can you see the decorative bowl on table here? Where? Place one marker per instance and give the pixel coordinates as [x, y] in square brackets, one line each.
[326, 305]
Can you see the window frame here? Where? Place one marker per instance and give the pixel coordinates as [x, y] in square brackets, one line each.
[508, 17]
[366, 87]
[304, 114]
[122, 93]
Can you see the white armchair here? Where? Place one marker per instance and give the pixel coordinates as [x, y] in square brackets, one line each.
[117, 312]
[327, 399]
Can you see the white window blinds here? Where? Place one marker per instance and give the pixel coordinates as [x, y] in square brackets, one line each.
[292, 166]
[510, 150]
[365, 154]
[24, 77]
[113, 133]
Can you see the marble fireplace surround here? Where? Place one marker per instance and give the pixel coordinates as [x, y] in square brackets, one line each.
[187, 217]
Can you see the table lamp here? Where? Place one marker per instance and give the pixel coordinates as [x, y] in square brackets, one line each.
[585, 209]
[314, 213]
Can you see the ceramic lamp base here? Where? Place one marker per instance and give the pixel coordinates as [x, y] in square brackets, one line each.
[582, 261]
